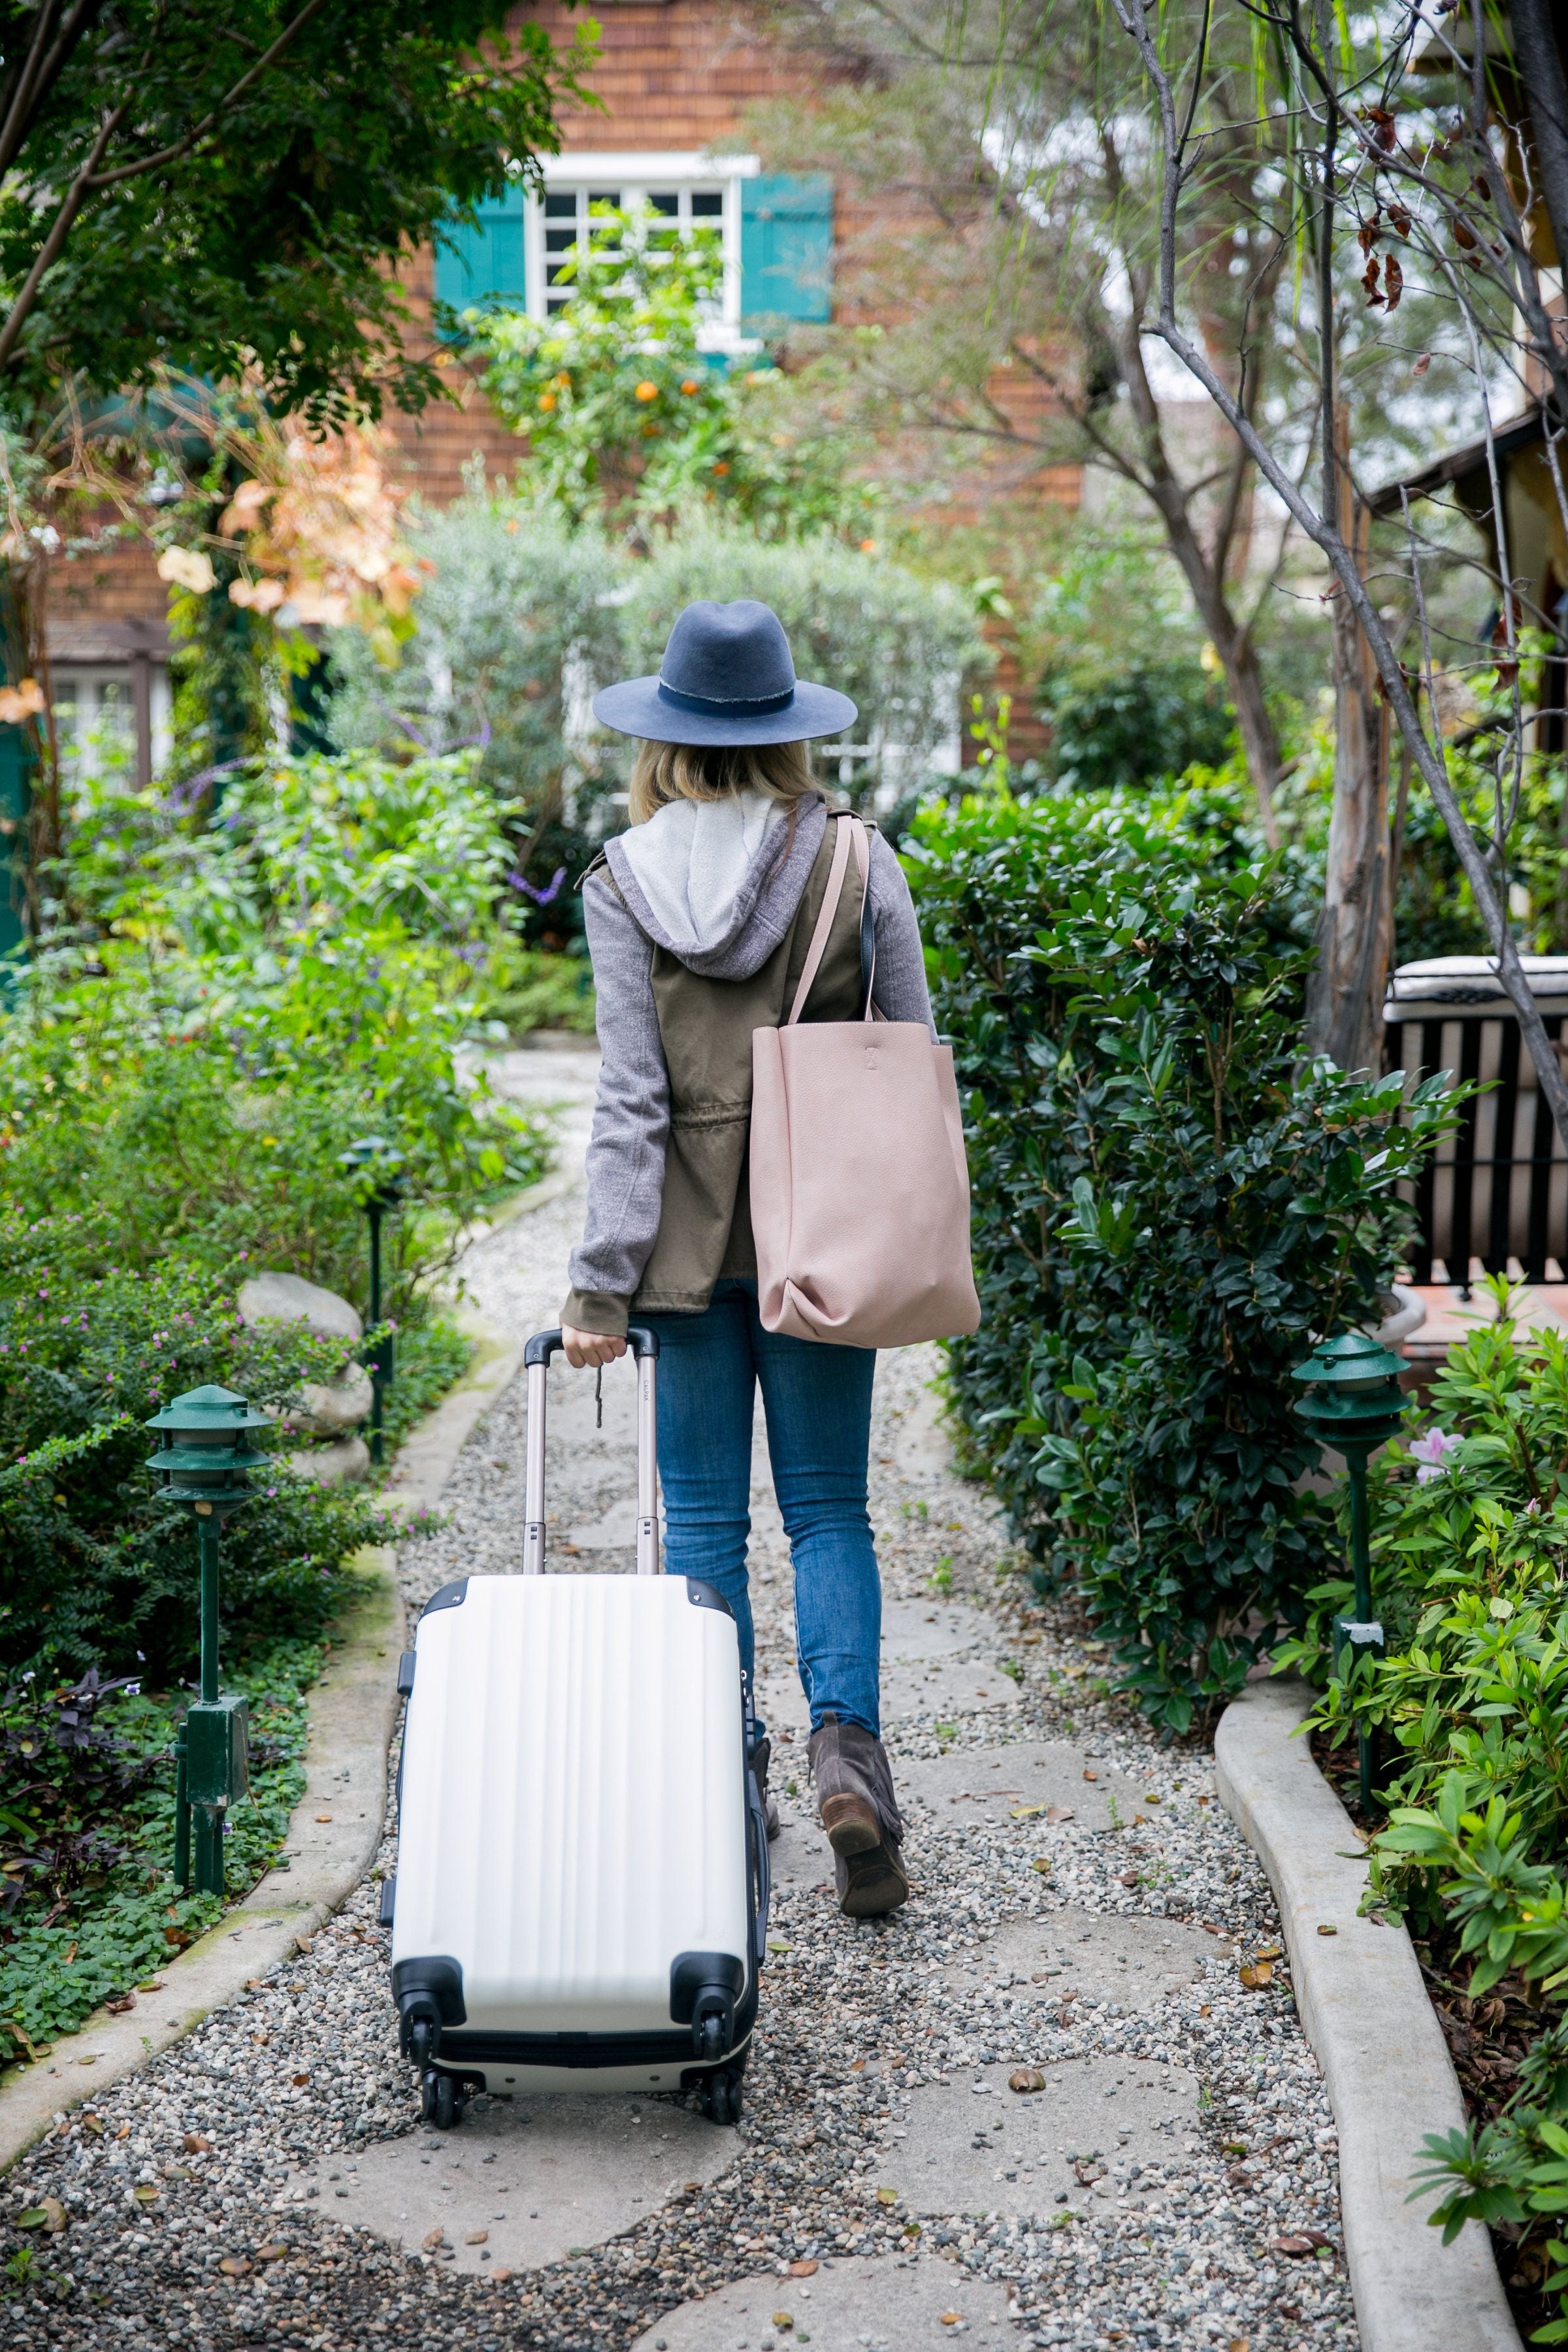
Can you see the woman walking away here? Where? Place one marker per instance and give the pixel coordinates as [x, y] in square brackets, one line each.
[699, 923]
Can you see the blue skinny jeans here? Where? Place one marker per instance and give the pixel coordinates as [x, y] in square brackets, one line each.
[818, 1401]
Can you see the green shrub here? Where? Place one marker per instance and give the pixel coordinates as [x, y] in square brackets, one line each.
[240, 1004]
[518, 597]
[1147, 720]
[100, 1569]
[1167, 1211]
[1470, 1705]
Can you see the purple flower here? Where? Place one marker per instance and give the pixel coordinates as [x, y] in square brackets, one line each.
[1432, 1453]
[540, 897]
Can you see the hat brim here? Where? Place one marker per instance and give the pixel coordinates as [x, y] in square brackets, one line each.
[636, 706]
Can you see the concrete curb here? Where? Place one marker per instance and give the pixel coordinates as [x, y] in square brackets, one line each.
[334, 1830]
[1367, 2014]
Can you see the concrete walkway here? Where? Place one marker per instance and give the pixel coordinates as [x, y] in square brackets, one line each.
[1165, 2176]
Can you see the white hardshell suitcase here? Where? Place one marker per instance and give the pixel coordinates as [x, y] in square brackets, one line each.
[581, 1887]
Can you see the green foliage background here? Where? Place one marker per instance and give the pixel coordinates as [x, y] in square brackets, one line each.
[1167, 1211]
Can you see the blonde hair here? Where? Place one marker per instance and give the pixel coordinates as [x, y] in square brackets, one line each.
[711, 771]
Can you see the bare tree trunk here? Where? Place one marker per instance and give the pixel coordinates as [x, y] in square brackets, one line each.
[1205, 576]
[1355, 928]
[1534, 24]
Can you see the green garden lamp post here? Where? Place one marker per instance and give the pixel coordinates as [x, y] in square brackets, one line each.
[376, 1167]
[204, 1461]
[1354, 1403]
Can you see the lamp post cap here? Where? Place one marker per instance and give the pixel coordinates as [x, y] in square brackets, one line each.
[1353, 1356]
[208, 1408]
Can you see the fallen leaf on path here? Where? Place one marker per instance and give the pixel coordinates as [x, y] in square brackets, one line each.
[1058, 1813]
[951, 2318]
[1089, 1774]
[234, 2266]
[1255, 1978]
[1043, 1865]
[1268, 1952]
[434, 2238]
[782, 2320]
[299, 2080]
[273, 2252]
[323, 1817]
[1027, 1812]
[145, 2194]
[1026, 2078]
[1129, 1879]
[119, 2007]
[197, 2146]
[887, 2196]
[1293, 2246]
[475, 2237]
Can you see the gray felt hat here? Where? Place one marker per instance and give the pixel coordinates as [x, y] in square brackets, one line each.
[726, 678]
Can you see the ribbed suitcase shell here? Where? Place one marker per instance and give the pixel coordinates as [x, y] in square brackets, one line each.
[573, 1811]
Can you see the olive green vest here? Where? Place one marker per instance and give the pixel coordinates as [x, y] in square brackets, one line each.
[705, 1027]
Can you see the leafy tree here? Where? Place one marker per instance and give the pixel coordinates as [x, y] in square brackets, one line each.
[627, 405]
[225, 188]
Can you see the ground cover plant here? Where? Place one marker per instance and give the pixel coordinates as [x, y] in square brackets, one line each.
[1470, 1706]
[88, 1907]
[1168, 1209]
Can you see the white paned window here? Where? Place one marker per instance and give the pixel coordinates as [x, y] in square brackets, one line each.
[95, 715]
[690, 190]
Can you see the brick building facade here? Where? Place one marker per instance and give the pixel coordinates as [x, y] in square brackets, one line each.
[674, 84]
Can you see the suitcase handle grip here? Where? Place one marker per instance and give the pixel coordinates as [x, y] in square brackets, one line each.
[543, 1344]
[536, 1356]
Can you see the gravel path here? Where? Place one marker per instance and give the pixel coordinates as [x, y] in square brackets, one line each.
[1081, 1911]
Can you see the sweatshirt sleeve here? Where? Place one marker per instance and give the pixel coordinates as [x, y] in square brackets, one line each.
[899, 988]
[631, 1120]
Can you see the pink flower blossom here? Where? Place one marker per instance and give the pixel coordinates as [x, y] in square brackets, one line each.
[1432, 1453]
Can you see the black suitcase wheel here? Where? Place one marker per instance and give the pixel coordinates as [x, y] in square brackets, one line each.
[438, 2102]
[722, 2095]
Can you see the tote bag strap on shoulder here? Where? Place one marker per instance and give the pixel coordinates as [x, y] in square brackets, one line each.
[848, 828]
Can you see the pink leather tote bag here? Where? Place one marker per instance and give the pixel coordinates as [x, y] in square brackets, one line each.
[859, 1185]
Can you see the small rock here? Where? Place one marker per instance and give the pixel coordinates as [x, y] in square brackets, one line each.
[342, 1463]
[475, 2237]
[290, 1298]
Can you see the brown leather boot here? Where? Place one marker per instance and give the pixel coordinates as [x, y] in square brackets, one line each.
[860, 1815]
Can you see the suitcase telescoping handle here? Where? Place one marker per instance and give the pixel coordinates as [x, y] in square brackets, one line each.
[644, 1345]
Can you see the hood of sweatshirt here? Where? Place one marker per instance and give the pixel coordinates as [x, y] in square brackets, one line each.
[718, 882]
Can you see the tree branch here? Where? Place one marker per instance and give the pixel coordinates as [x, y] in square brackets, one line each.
[207, 124]
[1325, 535]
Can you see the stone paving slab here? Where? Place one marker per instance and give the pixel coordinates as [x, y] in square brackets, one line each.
[943, 1686]
[975, 2147]
[991, 1784]
[541, 2178]
[885, 2303]
[1136, 1961]
[916, 1632]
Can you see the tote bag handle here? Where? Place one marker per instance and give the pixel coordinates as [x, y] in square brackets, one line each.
[849, 828]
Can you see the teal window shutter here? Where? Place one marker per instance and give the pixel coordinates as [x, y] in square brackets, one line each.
[786, 246]
[485, 265]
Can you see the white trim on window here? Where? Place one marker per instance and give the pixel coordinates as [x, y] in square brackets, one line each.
[626, 173]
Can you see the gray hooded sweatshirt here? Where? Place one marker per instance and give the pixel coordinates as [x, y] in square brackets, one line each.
[716, 883]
